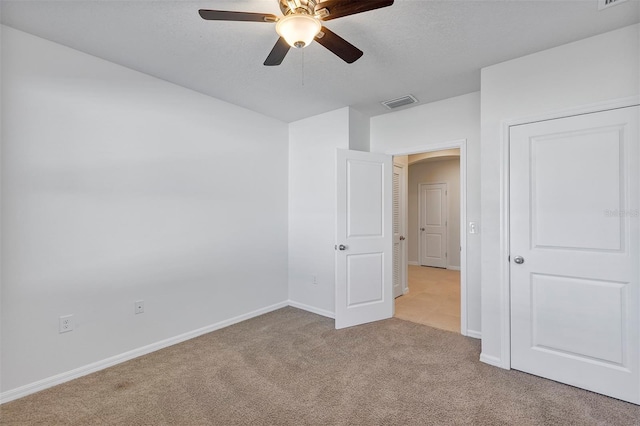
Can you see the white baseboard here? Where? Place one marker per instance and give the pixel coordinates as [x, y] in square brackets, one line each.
[475, 334]
[34, 387]
[491, 360]
[453, 268]
[312, 309]
[413, 263]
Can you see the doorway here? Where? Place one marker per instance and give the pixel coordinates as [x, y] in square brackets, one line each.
[434, 196]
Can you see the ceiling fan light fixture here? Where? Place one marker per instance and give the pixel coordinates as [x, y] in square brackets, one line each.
[298, 30]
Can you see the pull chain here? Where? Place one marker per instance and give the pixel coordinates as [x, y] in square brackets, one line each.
[302, 67]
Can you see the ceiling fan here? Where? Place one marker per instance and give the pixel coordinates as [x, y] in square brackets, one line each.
[301, 24]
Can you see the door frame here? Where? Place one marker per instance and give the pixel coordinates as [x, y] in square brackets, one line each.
[446, 232]
[504, 272]
[462, 145]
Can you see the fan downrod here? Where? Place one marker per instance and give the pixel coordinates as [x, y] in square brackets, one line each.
[303, 7]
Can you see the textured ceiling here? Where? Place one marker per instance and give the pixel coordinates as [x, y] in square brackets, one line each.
[431, 49]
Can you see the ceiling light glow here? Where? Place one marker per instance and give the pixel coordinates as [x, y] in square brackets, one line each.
[298, 30]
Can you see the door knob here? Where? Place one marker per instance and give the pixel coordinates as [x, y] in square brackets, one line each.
[422, 229]
[519, 260]
[402, 238]
[342, 247]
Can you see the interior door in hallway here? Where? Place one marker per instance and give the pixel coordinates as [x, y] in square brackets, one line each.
[574, 251]
[432, 206]
[364, 244]
[399, 231]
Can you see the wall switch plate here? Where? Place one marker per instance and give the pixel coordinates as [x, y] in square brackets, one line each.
[473, 228]
[314, 279]
[139, 307]
[65, 323]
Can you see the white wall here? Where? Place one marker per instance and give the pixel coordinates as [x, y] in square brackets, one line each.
[592, 70]
[429, 125]
[359, 131]
[402, 160]
[435, 171]
[312, 208]
[445, 153]
[116, 187]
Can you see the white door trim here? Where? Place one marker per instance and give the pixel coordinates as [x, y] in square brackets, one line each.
[446, 218]
[462, 145]
[504, 278]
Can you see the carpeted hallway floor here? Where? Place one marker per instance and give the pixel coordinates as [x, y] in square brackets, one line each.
[290, 367]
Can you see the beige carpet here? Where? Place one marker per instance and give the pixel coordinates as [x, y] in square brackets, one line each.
[433, 298]
[291, 367]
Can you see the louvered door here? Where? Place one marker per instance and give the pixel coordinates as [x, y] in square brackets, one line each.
[399, 267]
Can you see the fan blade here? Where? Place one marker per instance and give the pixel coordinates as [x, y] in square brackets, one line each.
[225, 15]
[340, 8]
[341, 47]
[278, 53]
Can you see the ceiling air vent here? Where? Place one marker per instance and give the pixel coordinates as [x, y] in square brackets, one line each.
[603, 4]
[400, 102]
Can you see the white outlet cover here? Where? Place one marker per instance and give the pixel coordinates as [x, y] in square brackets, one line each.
[65, 323]
[139, 307]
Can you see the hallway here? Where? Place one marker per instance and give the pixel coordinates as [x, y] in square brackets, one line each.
[433, 298]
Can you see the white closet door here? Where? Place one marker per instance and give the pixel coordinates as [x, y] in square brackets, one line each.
[574, 191]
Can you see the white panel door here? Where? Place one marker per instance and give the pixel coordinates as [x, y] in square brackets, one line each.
[399, 240]
[364, 246]
[433, 224]
[574, 191]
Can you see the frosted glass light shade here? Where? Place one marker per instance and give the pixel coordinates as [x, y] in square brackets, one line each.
[298, 30]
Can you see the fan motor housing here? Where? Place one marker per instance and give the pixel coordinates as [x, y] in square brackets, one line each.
[307, 7]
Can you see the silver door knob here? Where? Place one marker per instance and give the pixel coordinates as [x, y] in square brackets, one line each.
[342, 247]
[402, 238]
[519, 260]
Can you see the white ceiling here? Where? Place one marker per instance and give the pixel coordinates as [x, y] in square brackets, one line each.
[431, 49]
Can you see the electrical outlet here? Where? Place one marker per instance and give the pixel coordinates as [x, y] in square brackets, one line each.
[314, 279]
[65, 323]
[139, 307]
